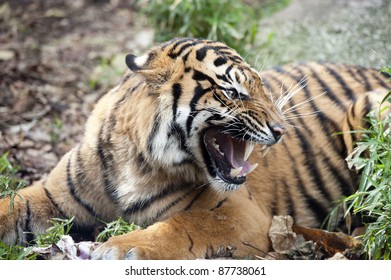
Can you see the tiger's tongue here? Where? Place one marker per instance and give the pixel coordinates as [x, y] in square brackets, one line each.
[234, 152]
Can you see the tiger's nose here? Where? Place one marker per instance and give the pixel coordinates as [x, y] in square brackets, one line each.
[277, 131]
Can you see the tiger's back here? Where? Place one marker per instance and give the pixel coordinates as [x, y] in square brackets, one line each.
[308, 170]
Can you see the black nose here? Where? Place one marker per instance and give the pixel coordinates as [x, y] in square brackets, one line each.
[277, 131]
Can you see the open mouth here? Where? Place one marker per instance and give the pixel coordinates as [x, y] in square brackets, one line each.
[228, 156]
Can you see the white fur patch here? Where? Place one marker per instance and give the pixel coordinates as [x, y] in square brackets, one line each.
[141, 60]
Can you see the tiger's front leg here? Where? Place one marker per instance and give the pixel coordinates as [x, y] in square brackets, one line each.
[238, 228]
[26, 216]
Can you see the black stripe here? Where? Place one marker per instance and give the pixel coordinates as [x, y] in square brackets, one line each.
[186, 46]
[28, 234]
[325, 88]
[143, 204]
[171, 204]
[383, 83]
[367, 106]
[345, 185]
[317, 208]
[363, 77]
[322, 119]
[195, 198]
[219, 204]
[279, 83]
[180, 41]
[273, 206]
[310, 161]
[177, 131]
[185, 57]
[153, 132]
[220, 61]
[131, 90]
[201, 53]
[55, 204]
[105, 156]
[227, 71]
[346, 89]
[384, 74]
[105, 146]
[199, 76]
[127, 77]
[198, 93]
[223, 78]
[176, 92]
[72, 189]
[142, 165]
[289, 201]
[81, 179]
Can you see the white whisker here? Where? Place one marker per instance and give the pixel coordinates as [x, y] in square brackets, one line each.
[304, 102]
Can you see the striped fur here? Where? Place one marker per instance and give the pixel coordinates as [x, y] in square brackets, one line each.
[150, 155]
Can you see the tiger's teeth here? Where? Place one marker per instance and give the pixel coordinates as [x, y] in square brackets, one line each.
[264, 147]
[253, 166]
[265, 151]
[248, 150]
[235, 172]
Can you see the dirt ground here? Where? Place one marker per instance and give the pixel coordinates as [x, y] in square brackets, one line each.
[56, 59]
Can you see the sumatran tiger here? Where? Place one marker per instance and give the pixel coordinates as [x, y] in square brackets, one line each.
[179, 148]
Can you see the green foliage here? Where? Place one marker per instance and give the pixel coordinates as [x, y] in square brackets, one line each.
[117, 227]
[53, 234]
[9, 182]
[15, 252]
[269, 7]
[372, 157]
[231, 21]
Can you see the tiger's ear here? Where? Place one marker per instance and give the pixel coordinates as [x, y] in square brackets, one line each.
[136, 63]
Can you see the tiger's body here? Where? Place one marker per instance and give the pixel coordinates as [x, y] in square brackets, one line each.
[170, 148]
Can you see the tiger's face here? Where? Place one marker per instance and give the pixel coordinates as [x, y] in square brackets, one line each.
[217, 106]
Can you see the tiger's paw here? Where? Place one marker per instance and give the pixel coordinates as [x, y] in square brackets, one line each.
[119, 248]
[136, 245]
[110, 252]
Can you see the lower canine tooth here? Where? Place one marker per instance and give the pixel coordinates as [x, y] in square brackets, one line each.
[235, 172]
[253, 166]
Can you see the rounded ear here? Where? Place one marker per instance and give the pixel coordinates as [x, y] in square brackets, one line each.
[136, 63]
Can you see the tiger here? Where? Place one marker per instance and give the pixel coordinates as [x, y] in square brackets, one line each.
[201, 150]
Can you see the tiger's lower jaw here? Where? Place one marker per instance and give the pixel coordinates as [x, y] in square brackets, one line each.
[221, 186]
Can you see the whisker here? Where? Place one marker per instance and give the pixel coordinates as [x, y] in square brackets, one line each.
[304, 102]
[305, 115]
[289, 95]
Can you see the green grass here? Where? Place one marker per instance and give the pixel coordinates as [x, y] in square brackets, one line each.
[372, 158]
[231, 21]
[117, 227]
[53, 234]
[15, 252]
[9, 181]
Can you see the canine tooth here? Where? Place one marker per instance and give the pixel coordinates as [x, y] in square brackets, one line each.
[264, 147]
[264, 153]
[248, 150]
[235, 172]
[253, 166]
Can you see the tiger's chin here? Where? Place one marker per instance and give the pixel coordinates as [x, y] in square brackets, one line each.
[227, 158]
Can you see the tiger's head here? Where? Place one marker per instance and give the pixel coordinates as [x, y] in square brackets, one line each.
[211, 109]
